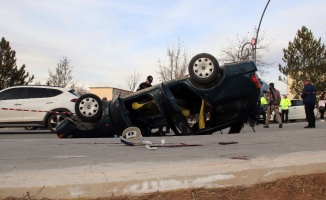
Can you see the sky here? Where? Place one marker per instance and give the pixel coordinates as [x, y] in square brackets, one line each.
[107, 40]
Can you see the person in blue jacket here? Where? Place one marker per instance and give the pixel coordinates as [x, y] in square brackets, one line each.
[309, 100]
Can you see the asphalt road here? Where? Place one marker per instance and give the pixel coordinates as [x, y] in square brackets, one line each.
[41, 165]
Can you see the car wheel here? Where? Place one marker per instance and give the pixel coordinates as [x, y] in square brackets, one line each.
[203, 68]
[89, 108]
[30, 128]
[54, 121]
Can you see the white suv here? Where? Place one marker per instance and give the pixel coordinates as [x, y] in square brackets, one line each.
[35, 106]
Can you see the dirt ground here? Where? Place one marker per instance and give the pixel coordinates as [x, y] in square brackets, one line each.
[295, 188]
[308, 187]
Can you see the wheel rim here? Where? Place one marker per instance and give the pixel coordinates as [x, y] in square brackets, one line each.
[88, 107]
[56, 120]
[203, 68]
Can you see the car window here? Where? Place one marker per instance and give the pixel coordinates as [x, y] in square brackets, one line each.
[263, 85]
[297, 103]
[10, 94]
[73, 92]
[37, 93]
[54, 92]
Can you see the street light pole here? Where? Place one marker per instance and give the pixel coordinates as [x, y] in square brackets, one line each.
[258, 31]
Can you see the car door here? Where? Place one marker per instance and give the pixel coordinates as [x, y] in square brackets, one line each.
[296, 110]
[11, 101]
[37, 103]
[171, 111]
[119, 115]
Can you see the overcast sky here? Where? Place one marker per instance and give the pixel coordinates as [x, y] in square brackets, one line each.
[106, 40]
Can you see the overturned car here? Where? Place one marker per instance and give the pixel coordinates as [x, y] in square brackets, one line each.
[210, 99]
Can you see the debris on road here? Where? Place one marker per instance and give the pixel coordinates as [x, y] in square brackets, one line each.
[225, 143]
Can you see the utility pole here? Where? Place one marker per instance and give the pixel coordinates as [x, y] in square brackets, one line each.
[256, 39]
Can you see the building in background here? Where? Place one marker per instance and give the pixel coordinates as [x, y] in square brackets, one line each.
[109, 92]
[289, 83]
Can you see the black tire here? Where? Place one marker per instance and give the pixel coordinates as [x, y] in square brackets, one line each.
[89, 108]
[236, 128]
[54, 120]
[203, 68]
[30, 128]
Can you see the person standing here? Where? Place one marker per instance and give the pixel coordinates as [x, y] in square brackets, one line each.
[309, 100]
[322, 105]
[146, 84]
[274, 99]
[262, 109]
[285, 104]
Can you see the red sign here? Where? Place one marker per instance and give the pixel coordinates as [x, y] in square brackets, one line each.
[253, 41]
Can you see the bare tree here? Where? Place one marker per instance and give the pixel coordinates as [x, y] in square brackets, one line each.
[133, 80]
[235, 51]
[62, 76]
[38, 83]
[177, 63]
[80, 90]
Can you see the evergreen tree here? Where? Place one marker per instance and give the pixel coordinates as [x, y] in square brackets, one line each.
[304, 58]
[10, 75]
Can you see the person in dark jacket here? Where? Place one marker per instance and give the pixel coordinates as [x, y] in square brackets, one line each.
[309, 100]
[146, 84]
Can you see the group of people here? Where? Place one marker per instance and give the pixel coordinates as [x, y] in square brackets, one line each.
[272, 100]
[285, 103]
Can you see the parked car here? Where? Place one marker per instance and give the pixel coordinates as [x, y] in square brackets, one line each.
[296, 111]
[35, 106]
[215, 97]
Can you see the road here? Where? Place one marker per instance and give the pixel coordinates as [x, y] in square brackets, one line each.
[39, 164]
